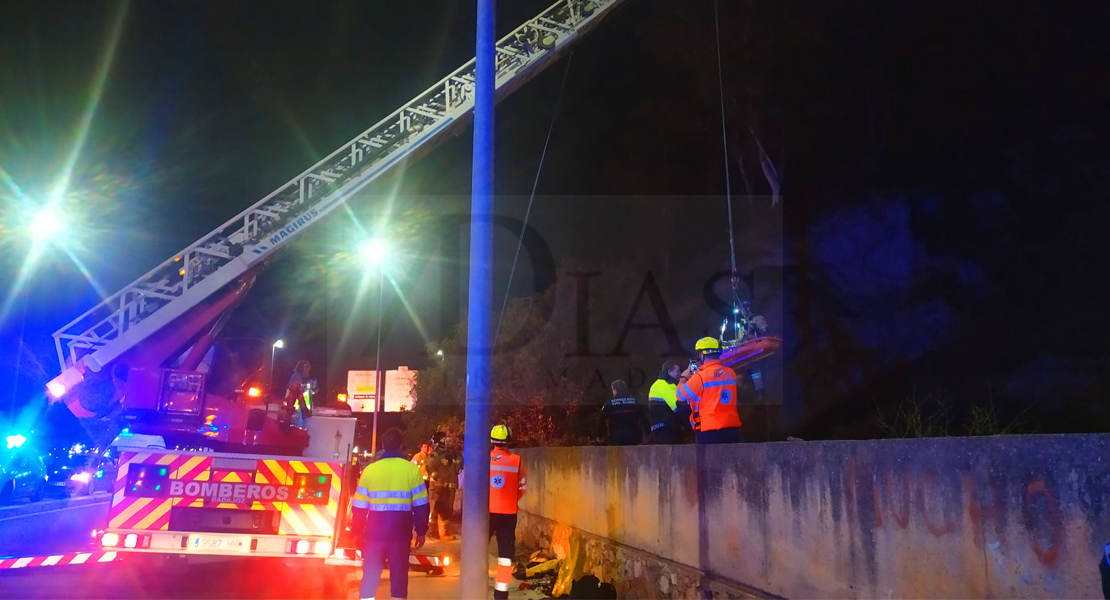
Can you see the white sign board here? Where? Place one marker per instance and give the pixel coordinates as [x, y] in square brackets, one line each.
[361, 391]
[399, 390]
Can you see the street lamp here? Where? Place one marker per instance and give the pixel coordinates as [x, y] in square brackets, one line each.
[45, 226]
[273, 351]
[375, 252]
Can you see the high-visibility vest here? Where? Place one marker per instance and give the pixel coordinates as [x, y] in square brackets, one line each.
[664, 391]
[420, 459]
[506, 481]
[390, 484]
[711, 393]
[391, 499]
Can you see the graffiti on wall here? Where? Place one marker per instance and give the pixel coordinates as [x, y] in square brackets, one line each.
[895, 498]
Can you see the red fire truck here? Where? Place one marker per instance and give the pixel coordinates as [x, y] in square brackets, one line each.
[168, 501]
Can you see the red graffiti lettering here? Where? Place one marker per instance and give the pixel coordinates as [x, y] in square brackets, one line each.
[927, 481]
[903, 520]
[1047, 556]
[976, 512]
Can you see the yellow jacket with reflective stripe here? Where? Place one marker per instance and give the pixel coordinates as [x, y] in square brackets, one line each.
[391, 500]
[665, 391]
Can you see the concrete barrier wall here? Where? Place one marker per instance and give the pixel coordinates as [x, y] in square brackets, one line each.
[1021, 516]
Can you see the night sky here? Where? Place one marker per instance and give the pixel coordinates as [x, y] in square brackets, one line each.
[943, 169]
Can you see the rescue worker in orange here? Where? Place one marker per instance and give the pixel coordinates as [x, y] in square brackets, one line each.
[506, 487]
[711, 393]
[421, 459]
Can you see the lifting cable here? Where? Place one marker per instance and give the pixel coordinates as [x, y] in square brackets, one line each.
[532, 197]
[728, 184]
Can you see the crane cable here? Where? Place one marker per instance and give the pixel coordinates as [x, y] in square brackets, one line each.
[531, 198]
[735, 279]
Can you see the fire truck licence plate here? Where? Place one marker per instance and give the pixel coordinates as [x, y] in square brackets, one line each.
[220, 543]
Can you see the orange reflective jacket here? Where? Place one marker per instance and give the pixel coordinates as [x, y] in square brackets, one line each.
[711, 393]
[506, 481]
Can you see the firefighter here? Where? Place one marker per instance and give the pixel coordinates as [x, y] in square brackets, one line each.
[667, 413]
[443, 482]
[711, 393]
[507, 484]
[298, 392]
[622, 421]
[433, 443]
[391, 501]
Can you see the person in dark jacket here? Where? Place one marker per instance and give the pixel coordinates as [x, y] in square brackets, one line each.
[443, 468]
[669, 415]
[623, 419]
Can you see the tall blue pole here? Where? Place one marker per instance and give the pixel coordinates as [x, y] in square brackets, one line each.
[475, 533]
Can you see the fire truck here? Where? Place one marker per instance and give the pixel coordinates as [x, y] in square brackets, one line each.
[233, 475]
[194, 502]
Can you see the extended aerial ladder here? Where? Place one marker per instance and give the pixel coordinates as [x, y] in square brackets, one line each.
[235, 250]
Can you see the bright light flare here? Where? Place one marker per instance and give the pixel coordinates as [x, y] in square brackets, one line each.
[279, 344]
[82, 477]
[46, 224]
[254, 392]
[56, 389]
[109, 539]
[341, 398]
[374, 250]
[15, 441]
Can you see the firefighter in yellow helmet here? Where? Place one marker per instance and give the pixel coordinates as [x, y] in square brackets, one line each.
[506, 487]
[711, 392]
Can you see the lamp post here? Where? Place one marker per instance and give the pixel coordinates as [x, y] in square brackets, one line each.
[375, 252]
[475, 535]
[273, 351]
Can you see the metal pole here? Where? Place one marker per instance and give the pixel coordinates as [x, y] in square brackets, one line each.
[378, 363]
[273, 352]
[475, 533]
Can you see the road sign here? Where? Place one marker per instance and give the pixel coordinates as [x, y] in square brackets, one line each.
[399, 390]
[361, 391]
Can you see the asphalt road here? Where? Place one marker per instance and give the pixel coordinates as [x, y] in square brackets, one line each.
[59, 527]
[150, 578]
[52, 526]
